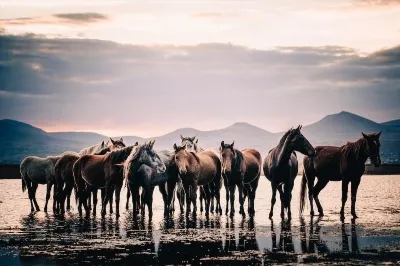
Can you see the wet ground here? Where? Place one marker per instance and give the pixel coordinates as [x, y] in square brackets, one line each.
[40, 238]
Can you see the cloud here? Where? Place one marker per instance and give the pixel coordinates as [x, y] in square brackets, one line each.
[82, 17]
[79, 81]
[61, 18]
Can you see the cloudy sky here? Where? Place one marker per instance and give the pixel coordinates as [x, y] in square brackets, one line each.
[147, 67]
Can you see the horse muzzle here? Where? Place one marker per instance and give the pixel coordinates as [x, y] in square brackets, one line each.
[162, 169]
[182, 171]
[377, 162]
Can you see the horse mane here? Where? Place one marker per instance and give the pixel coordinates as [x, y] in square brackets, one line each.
[284, 137]
[355, 149]
[238, 160]
[195, 156]
[117, 155]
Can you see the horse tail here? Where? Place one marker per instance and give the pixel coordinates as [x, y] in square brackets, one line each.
[76, 171]
[303, 191]
[23, 184]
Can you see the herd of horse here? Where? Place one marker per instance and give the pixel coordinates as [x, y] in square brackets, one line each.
[187, 170]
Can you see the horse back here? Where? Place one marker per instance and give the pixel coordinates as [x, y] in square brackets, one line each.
[92, 169]
[37, 169]
[210, 165]
[326, 162]
[64, 167]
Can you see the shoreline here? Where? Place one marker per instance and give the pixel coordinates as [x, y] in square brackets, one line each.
[11, 171]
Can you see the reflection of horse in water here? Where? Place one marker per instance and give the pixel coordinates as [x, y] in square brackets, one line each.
[285, 243]
[314, 243]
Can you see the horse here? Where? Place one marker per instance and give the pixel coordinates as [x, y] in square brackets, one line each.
[64, 178]
[145, 168]
[281, 167]
[214, 187]
[345, 163]
[99, 171]
[35, 170]
[196, 169]
[241, 169]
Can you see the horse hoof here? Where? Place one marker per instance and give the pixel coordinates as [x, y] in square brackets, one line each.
[354, 216]
[311, 213]
[321, 214]
[45, 209]
[270, 216]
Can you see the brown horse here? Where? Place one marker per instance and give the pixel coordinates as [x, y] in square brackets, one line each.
[281, 167]
[241, 169]
[64, 179]
[345, 163]
[99, 171]
[196, 169]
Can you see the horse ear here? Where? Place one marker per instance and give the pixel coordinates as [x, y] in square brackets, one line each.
[364, 135]
[222, 144]
[233, 143]
[102, 143]
[379, 134]
[136, 144]
[197, 141]
[175, 147]
[121, 140]
[112, 141]
[152, 143]
[182, 138]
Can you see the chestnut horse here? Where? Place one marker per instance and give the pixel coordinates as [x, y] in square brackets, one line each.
[281, 167]
[97, 171]
[345, 163]
[64, 179]
[196, 169]
[241, 169]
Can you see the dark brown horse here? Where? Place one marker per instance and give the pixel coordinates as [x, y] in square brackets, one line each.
[345, 163]
[196, 169]
[99, 171]
[64, 179]
[241, 169]
[281, 167]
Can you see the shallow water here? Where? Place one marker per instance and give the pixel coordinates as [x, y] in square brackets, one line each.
[41, 238]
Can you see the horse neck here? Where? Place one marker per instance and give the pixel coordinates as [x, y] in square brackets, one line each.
[237, 161]
[360, 152]
[193, 159]
[119, 155]
[284, 152]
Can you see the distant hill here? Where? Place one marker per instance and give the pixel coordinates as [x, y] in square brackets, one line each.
[395, 123]
[20, 139]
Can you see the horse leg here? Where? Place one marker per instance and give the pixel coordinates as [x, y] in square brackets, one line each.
[201, 197]
[187, 195]
[207, 196]
[273, 199]
[345, 188]
[85, 200]
[48, 192]
[171, 184]
[193, 196]
[280, 189]
[30, 194]
[55, 199]
[354, 188]
[241, 199]
[68, 192]
[218, 199]
[317, 189]
[310, 184]
[232, 189]
[112, 188]
[227, 195]
[252, 195]
[105, 198]
[128, 194]
[117, 198]
[150, 202]
[89, 199]
[34, 188]
[164, 195]
[95, 199]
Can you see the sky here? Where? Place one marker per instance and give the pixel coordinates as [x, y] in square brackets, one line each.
[148, 67]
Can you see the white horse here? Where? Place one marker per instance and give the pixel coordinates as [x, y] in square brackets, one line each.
[34, 171]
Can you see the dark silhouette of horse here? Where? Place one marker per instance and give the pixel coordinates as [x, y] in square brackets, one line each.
[281, 167]
[345, 163]
[241, 169]
[97, 171]
[196, 169]
[145, 168]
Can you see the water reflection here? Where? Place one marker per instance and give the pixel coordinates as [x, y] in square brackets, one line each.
[178, 240]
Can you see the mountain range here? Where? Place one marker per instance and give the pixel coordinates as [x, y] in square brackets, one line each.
[19, 139]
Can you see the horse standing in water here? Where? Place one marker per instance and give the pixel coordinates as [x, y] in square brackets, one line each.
[196, 169]
[214, 187]
[145, 168]
[281, 167]
[241, 169]
[35, 170]
[64, 179]
[345, 163]
[99, 171]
